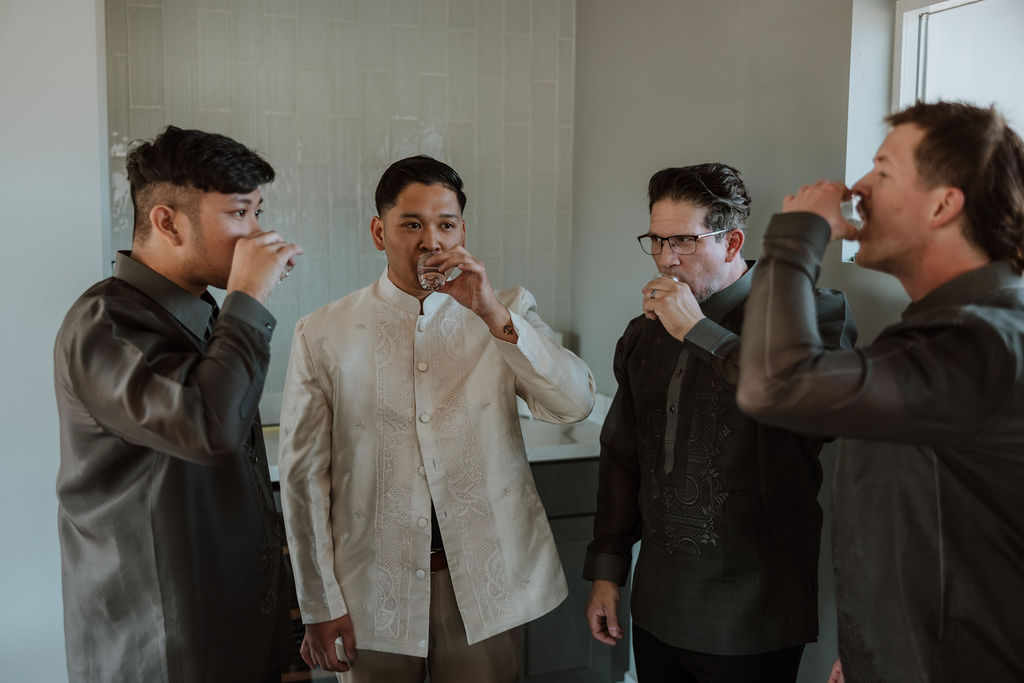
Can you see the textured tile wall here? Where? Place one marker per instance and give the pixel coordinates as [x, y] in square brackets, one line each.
[331, 92]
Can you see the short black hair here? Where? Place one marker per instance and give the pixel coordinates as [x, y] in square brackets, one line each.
[716, 186]
[418, 169]
[191, 160]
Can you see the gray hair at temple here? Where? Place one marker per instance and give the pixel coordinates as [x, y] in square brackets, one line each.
[716, 186]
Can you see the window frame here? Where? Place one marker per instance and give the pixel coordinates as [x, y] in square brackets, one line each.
[908, 60]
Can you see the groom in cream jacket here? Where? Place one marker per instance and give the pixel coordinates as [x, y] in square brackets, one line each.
[417, 537]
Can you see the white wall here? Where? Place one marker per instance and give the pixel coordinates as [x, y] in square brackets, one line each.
[50, 191]
[762, 86]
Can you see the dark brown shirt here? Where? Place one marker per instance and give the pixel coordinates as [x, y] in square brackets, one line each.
[726, 508]
[928, 526]
[170, 544]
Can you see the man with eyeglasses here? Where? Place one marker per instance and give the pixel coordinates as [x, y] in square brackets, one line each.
[726, 508]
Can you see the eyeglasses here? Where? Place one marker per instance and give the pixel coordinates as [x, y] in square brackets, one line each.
[682, 245]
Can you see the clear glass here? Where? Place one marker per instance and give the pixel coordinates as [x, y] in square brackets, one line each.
[850, 211]
[431, 278]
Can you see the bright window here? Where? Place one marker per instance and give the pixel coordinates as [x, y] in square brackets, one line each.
[960, 50]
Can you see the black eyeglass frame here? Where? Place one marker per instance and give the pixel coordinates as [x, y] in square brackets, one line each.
[675, 242]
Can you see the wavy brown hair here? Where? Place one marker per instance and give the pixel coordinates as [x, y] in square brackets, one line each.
[716, 186]
[973, 149]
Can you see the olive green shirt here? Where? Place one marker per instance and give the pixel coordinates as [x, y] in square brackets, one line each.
[170, 543]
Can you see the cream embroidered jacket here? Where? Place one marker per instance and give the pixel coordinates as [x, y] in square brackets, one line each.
[385, 410]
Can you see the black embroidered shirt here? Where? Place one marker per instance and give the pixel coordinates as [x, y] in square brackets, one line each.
[726, 508]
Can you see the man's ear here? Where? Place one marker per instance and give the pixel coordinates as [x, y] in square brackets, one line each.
[377, 232]
[162, 223]
[734, 242]
[948, 206]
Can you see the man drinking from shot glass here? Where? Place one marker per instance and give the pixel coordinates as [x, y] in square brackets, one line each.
[928, 525]
[725, 585]
[416, 533]
[170, 543]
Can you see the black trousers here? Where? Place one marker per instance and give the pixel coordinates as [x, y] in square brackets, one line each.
[658, 662]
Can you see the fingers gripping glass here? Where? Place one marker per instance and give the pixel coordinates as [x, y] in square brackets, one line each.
[682, 245]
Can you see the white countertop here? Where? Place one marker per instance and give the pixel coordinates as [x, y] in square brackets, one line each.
[544, 441]
[547, 441]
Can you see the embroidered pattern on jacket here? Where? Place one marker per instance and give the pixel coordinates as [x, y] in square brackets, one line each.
[459, 447]
[686, 514]
[393, 357]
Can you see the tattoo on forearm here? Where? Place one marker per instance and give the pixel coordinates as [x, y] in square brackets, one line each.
[509, 329]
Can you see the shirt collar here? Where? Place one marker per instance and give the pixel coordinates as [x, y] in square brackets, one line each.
[721, 302]
[967, 288]
[405, 301]
[191, 311]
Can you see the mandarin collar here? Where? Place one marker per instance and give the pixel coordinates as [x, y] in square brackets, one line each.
[405, 301]
[190, 310]
[721, 302]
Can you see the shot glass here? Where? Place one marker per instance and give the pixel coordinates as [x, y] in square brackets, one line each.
[850, 211]
[431, 277]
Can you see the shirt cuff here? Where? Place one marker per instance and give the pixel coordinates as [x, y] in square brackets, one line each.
[242, 306]
[798, 238]
[605, 567]
[708, 336]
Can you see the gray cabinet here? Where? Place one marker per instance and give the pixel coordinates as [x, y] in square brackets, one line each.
[558, 648]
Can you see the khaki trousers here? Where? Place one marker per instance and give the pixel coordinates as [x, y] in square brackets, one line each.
[450, 658]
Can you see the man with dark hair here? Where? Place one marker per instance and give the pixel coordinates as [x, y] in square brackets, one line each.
[725, 586]
[170, 544]
[415, 530]
[419, 169]
[928, 535]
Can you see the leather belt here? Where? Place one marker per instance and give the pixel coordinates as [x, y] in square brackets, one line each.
[438, 561]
